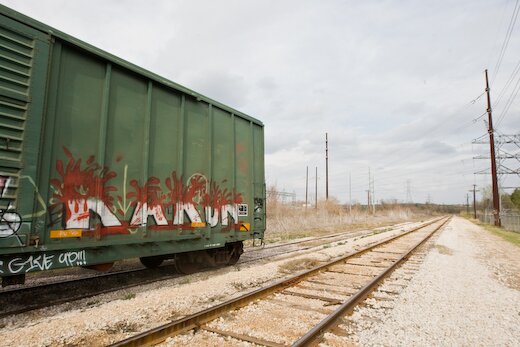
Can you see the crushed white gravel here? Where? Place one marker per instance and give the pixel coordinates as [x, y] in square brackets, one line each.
[108, 318]
[465, 293]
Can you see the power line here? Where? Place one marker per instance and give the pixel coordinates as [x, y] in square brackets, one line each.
[503, 49]
[510, 101]
[497, 32]
[508, 83]
[384, 179]
[441, 126]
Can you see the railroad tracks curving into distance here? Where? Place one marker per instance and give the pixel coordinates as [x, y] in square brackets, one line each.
[20, 300]
[298, 310]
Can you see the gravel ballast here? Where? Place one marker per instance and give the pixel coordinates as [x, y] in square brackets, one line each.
[464, 292]
[108, 318]
[456, 298]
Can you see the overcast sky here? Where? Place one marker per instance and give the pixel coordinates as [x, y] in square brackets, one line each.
[394, 83]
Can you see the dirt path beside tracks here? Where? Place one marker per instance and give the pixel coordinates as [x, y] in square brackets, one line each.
[465, 293]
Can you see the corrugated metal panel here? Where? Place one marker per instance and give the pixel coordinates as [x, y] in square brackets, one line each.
[16, 56]
[16, 59]
[118, 61]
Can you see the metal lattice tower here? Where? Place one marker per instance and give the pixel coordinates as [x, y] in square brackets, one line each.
[409, 198]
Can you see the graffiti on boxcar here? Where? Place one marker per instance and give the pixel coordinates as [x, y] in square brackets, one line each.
[4, 184]
[74, 258]
[147, 200]
[83, 190]
[45, 261]
[78, 213]
[10, 222]
[31, 263]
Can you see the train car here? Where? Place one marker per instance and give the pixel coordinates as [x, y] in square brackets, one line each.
[101, 160]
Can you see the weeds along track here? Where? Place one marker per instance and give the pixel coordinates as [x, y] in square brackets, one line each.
[22, 299]
[298, 310]
[308, 244]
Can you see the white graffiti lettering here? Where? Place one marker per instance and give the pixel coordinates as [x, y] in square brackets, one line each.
[212, 216]
[38, 263]
[77, 258]
[10, 222]
[191, 212]
[5, 181]
[45, 261]
[79, 213]
[229, 210]
[142, 211]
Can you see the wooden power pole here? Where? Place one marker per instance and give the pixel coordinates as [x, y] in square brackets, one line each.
[316, 191]
[306, 187]
[494, 179]
[326, 166]
[474, 190]
[349, 192]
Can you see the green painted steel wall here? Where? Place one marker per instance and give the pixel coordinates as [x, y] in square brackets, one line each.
[117, 161]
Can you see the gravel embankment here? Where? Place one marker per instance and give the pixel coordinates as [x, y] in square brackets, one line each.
[465, 293]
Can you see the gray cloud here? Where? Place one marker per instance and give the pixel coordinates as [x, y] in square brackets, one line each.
[438, 147]
[391, 82]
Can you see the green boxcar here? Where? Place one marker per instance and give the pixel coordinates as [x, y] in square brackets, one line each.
[101, 160]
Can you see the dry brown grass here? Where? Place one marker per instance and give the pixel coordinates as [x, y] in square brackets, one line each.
[299, 265]
[286, 221]
[444, 250]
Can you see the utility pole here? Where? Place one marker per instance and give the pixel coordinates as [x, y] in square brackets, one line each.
[306, 187]
[326, 166]
[496, 198]
[316, 191]
[373, 195]
[369, 188]
[467, 203]
[474, 190]
[368, 200]
[349, 193]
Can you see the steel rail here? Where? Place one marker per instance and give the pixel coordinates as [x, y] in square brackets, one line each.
[353, 233]
[49, 294]
[52, 292]
[304, 248]
[348, 305]
[196, 320]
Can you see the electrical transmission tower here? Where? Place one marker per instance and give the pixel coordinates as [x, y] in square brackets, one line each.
[508, 154]
[496, 168]
[507, 158]
[283, 196]
[409, 198]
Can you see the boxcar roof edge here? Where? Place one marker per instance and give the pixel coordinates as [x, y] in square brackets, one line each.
[19, 17]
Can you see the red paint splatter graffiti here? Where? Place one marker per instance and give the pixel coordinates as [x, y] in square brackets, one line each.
[77, 183]
[83, 189]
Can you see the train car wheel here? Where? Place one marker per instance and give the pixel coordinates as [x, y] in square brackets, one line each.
[235, 251]
[233, 259]
[151, 262]
[100, 267]
[185, 265]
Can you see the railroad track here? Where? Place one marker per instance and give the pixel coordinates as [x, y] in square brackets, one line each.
[22, 300]
[298, 310]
